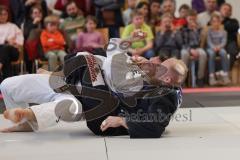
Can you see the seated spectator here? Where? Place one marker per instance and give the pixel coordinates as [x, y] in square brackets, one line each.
[142, 47]
[169, 7]
[109, 15]
[199, 5]
[72, 24]
[154, 18]
[168, 41]
[191, 46]
[32, 28]
[35, 21]
[31, 3]
[11, 40]
[231, 25]
[127, 13]
[52, 42]
[204, 17]
[86, 6]
[216, 41]
[143, 7]
[90, 38]
[183, 13]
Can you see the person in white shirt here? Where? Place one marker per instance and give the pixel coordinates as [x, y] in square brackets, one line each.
[204, 17]
[11, 40]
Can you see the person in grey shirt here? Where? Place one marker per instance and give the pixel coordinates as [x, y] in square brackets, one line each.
[216, 42]
[127, 13]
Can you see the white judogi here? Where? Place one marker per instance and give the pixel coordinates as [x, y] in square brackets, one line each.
[19, 91]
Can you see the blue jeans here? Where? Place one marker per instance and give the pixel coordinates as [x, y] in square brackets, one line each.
[212, 58]
[149, 54]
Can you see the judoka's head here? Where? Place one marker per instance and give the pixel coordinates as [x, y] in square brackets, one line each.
[170, 72]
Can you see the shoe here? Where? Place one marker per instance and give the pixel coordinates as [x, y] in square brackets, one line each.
[226, 80]
[212, 81]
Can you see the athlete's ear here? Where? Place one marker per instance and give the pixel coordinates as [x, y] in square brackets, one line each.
[166, 79]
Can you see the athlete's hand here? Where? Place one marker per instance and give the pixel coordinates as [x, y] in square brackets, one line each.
[138, 59]
[43, 71]
[113, 122]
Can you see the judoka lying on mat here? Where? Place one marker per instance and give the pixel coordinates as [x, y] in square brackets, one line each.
[116, 94]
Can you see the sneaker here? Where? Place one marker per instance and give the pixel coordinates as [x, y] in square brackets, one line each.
[226, 80]
[212, 81]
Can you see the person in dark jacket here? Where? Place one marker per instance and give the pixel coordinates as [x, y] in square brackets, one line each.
[129, 105]
[231, 25]
[168, 41]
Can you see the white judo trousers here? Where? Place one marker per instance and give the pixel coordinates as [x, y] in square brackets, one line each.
[20, 91]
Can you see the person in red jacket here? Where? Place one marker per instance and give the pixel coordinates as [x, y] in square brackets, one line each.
[53, 42]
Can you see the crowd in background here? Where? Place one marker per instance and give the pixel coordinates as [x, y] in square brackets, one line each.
[49, 29]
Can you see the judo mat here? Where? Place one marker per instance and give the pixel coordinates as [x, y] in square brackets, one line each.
[194, 133]
[207, 126]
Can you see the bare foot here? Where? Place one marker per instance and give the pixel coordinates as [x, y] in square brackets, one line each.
[19, 115]
[24, 127]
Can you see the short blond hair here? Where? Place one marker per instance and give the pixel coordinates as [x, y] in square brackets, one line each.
[179, 70]
[51, 19]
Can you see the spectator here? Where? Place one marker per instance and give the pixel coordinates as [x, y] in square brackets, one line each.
[199, 5]
[11, 40]
[32, 28]
[52, 42]
[73, 24]
[204, 17]
[154, 18]
[109, 15]
[231, 25]
[128, 11]
[31, 3]
[168, 41]
[86, 6]
[143, 7]
[216, 41]
[183, 12]
[142, 47]
[191, 46]
[90, 38]
[168, 7]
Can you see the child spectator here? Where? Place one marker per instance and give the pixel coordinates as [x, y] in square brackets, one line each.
[11, 40]
[183, 12]
[90, 38]
[169, 7]
[216, 41]
[141, 47]
[127, 13]
[191, 46]
[168, 41]
[53, 42]
[143, 7]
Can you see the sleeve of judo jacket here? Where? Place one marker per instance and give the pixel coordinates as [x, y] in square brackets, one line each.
[159, 114]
